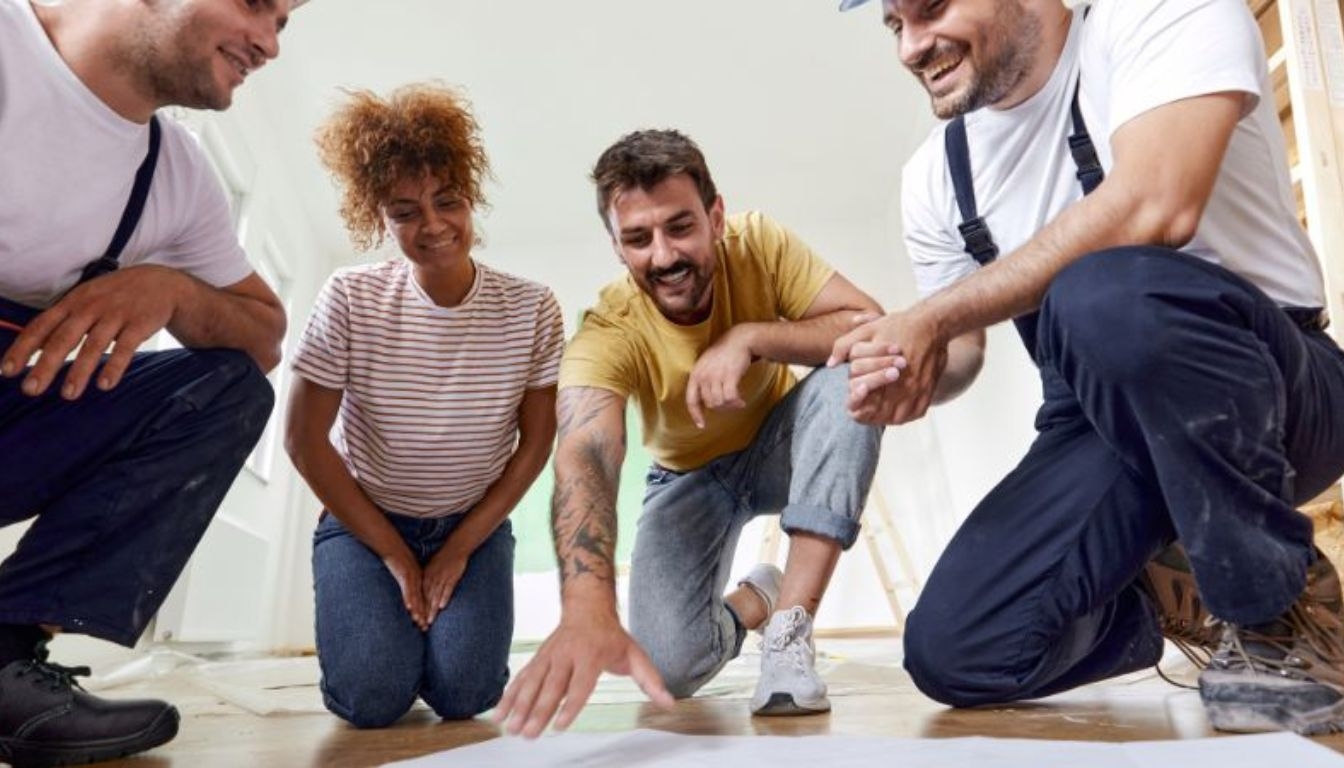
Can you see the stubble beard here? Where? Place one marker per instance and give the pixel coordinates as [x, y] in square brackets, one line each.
[176, 75]
[1011, 46]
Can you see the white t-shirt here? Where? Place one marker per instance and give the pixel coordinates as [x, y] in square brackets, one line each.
[67, 165]
[1134, 56]
[429, 412]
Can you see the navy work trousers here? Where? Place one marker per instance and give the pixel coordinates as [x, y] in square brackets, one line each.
[1180, 403]
[122, 483]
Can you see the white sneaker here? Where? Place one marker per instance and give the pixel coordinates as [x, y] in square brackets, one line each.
[764, 580]
[789, 684]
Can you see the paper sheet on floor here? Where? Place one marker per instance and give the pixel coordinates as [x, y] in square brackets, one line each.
[656, 749]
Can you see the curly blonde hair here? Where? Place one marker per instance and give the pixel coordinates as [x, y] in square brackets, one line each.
[370, 143]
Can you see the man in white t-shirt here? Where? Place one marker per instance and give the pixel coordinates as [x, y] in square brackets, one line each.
[121, 458]
[1114, 181]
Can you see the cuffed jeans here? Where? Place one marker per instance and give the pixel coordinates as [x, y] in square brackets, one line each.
[123, 483]
[810, 463]
[1180, 403]
[376, 661]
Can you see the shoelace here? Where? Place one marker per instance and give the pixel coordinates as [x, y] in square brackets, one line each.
[1189, 641]
[59, 676]
[1303, 627]
[786, 644]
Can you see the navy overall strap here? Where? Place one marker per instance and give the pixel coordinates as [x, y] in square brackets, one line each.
[1084, 152]
[974, 232]
[135, 207]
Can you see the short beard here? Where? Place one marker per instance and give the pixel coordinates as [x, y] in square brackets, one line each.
[703, 282]
[1011, 46]
[180, 76]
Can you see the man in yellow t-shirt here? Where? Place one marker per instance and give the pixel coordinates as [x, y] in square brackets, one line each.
[700, 332]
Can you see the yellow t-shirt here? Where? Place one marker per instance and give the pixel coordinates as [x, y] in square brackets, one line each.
[625, 345]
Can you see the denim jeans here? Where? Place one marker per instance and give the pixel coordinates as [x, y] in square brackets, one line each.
[1180, 403]
[809, 462]
[122, 483]
[376, 661]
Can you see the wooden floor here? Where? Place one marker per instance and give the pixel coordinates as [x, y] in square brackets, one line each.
[1146, 709]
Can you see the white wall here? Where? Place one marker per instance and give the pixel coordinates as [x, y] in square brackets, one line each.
[802, 112]
[248, 581]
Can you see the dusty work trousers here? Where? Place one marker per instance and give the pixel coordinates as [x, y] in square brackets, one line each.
[122, 483]
[1180, 403]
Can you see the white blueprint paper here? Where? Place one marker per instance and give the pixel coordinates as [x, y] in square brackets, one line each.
[657, 749]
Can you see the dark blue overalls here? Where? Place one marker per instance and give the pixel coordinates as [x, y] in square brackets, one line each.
[122, 483]
[1180, 402]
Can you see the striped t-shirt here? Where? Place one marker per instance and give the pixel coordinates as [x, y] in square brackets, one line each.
[429, 413]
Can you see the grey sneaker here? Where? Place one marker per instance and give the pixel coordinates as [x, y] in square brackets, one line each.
[1181, 613]
[764, 580]
[1285, 675]
[789, 684]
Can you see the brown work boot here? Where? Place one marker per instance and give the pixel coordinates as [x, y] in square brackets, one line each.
[1181, 614]
[1287, 674]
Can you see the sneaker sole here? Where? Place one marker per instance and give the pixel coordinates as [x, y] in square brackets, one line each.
[26, 754]
[1241, 704]
[784, 705]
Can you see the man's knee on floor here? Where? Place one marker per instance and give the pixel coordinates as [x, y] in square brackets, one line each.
[684, 673]
[950, 674]
[685, 658]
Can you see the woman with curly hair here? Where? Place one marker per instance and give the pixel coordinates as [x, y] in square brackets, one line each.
[438, 373]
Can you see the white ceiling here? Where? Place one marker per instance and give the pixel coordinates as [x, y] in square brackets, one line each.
[802, 111]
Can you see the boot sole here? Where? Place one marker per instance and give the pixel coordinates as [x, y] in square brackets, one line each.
[26, 754]
[1241, 704]
[784, 705]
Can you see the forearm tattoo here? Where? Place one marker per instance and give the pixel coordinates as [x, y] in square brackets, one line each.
[583, 508]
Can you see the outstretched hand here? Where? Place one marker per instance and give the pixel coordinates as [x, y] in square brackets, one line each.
[120, 310]
[559, 679]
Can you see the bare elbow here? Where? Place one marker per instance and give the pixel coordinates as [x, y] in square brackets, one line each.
[1166, 221]
[1181, 227]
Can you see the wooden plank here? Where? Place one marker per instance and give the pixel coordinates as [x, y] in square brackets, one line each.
[1318, 146]
[1261, 7]
[1330, 39]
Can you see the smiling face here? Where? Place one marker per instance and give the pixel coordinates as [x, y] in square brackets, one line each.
[967, 54]
[666, 237]
[194, 53]
[431, 222]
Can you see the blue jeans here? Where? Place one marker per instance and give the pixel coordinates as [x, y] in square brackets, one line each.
[809, 462]
[122, 483]
[376, 661]
[1180, 403]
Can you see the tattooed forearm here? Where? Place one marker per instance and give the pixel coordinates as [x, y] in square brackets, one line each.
[577, 407]
[587, 469]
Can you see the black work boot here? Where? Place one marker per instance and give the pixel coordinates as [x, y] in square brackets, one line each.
[47, 719]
